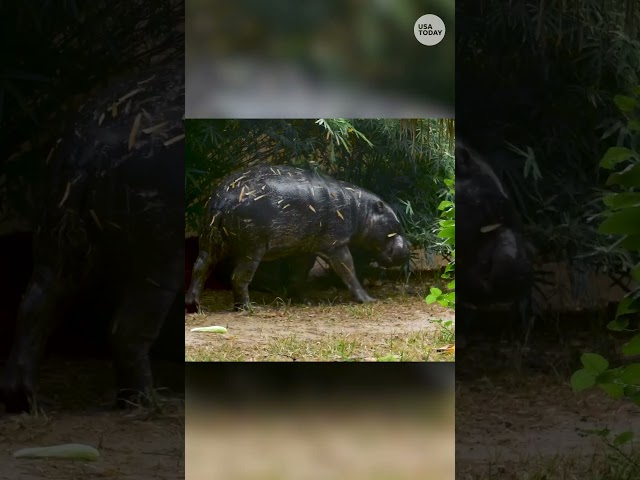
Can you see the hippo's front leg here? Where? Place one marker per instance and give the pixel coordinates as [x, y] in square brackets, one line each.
[37, 318]
[342, 263]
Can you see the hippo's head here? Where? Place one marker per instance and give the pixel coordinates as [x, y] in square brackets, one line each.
[384, 236]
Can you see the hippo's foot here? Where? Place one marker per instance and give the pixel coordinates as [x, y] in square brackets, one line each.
[242, 306]
[131, 399]
[17, 396]
[191, 307]
[191, 303]
[365, 298]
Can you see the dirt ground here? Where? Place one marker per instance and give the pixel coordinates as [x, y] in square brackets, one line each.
[517, 416]
[401, 324]
[132, 444]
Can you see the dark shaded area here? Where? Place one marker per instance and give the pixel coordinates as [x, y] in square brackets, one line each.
[84, 208]
[535, 93]
[541, 116]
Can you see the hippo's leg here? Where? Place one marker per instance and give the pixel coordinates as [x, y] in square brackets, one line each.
[135, 327]
[299, 268]
[342, 263]
[201, 270]
[242, 276]
[38, 316]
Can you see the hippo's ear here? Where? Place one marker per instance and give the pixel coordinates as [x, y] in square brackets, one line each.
[378, 207]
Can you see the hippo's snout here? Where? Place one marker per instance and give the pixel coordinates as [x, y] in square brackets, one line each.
[397, 253]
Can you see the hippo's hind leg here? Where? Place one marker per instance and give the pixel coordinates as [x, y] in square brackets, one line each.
[135, 327]
[42, 306]
[342, 263]
[199, 276]
[245, 269]
[211, 251]
[299, 268]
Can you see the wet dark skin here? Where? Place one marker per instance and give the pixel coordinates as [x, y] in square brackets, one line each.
[269, 212]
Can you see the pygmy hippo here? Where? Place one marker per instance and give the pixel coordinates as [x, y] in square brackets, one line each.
[268, 212]
[493, 258]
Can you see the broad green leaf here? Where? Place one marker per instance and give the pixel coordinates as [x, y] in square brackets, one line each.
[448, 232]
[614, 390]
[625, 199]
[627, 305]
[631, 242]
[625, 221]
[618, 325]
[625, 104]
[631, 374]
[629, 177]
[624, 437]
[634, 125]
[444, 204]
[594, 363]
[632, 347]
[582, 379]
[615, 155]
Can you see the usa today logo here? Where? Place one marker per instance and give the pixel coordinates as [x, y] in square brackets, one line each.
[429, 30]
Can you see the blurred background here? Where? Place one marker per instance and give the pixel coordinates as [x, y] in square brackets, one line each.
[290, 59]
[319, 421]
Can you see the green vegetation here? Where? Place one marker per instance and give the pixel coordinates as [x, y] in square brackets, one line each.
[622, 219]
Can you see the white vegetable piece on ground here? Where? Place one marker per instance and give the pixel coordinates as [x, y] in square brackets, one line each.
[70, 451]
[214, 329]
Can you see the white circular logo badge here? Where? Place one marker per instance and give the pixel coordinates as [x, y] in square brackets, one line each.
[429, 30]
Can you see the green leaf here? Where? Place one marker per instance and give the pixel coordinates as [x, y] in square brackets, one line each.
[631, 374]
[618, 325]
[615, 155]
[625, 221]
[634, 125]
[614, 390]
[624, 437]
[631, 242]
[625, 104]
[582, 379]
[448, 232]
[632, 347]
[594, 363]
[629, 177]
[444, 204]
[625, 199]
[627, 305]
